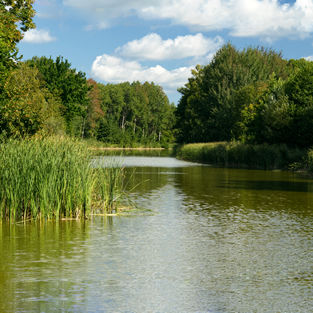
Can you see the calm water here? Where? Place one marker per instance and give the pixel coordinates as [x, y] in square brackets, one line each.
[217, 240]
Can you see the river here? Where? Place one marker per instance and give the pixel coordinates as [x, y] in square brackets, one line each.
[213, 240]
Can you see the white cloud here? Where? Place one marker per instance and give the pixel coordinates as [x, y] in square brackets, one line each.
[115, 70]
[124, 64]
[48, 9]
[309, 58]
[153, 47]
[38, 36]
[268, 19]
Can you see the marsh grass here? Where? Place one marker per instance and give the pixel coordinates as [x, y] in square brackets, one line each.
[310, 160]
[109, 188]
[52, 178]
[236, 154]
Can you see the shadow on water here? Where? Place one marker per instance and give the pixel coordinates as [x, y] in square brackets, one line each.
[269, 185]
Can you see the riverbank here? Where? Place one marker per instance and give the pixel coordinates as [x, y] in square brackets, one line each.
[240, 155]
[94, 144]
[125, 149]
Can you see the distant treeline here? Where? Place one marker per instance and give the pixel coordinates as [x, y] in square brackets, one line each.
[254, 96]
[48, 96]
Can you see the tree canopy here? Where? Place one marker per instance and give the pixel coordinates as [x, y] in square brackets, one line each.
[253, 95]
[135, 113]
[16, 17]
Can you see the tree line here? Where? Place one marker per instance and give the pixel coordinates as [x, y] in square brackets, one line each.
[48, 96]
[254, 96]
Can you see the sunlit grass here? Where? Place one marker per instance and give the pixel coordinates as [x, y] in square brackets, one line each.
[52, 178]
[236, 154]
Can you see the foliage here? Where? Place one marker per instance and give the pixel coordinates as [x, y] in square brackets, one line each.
[43, 95]
[299, 90]
[15, 18]
[253, 95]
[283, 111]
[22, 111]
[94, 110]
[52, 178]
[135, 113]
[237, 154]
[69, 86]
[210, 98]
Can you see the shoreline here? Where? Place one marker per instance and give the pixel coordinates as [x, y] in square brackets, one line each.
[122, 149]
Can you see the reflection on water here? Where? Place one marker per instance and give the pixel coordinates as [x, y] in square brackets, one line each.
[221, 241]
[140, 161]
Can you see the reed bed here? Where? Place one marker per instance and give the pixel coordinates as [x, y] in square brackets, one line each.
[52, 178]
[109, 188]
[240, 155]
[310, 160]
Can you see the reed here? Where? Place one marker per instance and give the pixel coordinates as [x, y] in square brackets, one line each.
[109, 188]
[310, 160]
[240, 155]
[50, 178]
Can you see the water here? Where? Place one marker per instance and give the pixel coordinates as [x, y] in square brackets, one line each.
[217, 240]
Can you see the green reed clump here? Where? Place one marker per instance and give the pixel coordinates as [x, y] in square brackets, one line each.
[52, 178]
[236, 154]
[109, 188]
[310, 160]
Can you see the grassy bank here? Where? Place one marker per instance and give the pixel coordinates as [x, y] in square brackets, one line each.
[96, 144]
[52, 178]
[239, 155]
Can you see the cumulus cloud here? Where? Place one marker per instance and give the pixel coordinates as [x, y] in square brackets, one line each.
[153, 47]
[114, 69]
[38, 36]
[269, 19]
[309, 58]
[124, 65]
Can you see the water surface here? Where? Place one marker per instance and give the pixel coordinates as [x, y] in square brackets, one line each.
[218, 240]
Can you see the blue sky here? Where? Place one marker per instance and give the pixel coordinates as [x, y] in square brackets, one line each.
[162, 40]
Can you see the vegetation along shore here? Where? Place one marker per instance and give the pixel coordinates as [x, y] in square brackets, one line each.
[240, 155]
[52, 178]
[254, 105]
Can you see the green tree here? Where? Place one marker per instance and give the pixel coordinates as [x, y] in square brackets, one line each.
[94, 111]
[268, 116]
[135, 113]
[23, 110]
[70, 86]
[16, 17]
[210, 98]
[299, 90]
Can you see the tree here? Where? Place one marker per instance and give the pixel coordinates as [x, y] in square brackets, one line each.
[23, 111]
[94, 110]
[16, 17]
[70, 86]
[282, 110]
[135, 113]
[209, 109]
[268, 116]
[299, 89]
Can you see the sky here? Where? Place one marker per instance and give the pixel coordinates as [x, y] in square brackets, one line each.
[113, 41]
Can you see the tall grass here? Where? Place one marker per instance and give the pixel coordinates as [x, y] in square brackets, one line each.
[109, 188]
[236, 154]
[50, 178]
[310, 160]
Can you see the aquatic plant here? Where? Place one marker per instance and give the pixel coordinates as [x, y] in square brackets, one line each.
[236, 154]
[52, 178]
[109, 187]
